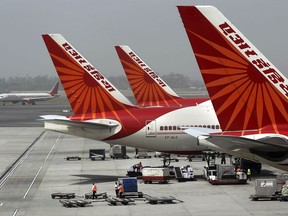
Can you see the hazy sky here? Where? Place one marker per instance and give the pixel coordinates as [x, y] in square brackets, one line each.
[152, 28]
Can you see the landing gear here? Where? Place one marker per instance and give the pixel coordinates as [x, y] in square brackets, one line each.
[167, 160]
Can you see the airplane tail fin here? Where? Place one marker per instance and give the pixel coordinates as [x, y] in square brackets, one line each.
[54, 90]
[246, 89]
[148, 88]
[88, 91]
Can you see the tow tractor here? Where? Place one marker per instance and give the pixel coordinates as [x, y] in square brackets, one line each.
[218, 174]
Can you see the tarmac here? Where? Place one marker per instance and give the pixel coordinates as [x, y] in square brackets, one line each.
[33, 165]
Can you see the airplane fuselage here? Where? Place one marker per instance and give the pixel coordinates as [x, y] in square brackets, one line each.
[159, 129]
[24, 97]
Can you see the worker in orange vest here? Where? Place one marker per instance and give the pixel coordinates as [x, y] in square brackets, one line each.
[94, 191]
[120, 190]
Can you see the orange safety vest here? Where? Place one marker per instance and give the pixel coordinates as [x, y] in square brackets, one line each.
[94, 188]
[121, 190]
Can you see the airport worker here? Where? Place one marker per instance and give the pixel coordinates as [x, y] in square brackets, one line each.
[249, 174]
[121, 190]
[138, 167]
[94, 190]
[223, 158]
[116, 186]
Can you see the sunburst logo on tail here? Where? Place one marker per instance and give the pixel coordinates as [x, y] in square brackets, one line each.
[243, 96]
[146, 85]
[88, 91]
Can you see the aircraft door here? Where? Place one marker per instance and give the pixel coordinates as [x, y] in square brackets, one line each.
[151, 128]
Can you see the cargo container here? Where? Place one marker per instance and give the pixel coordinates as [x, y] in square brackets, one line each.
[130, 187]
[155, 174]
[265, 189]
[118, 151]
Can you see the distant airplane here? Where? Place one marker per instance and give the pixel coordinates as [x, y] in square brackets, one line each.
[29, 97]
[148, 87]
[249, 94]
[102, 113]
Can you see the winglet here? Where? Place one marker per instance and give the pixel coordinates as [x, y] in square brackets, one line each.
[87, 89]
[148, 88]
[246, 89]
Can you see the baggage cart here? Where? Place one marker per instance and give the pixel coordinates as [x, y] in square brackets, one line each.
[142, 153]
[115, 200]
[97, 195]
[75, 202]
[118, 151]
[97, 154]
[63, 195]
[162, 200]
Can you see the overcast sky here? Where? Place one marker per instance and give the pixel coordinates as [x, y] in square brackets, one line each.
[152, 28]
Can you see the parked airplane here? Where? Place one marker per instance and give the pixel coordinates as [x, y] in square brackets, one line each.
[102, 113]
[147, 86]
[30, 97]
[249, 94]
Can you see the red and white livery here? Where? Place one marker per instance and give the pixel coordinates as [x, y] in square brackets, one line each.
[148, 87]
[103, 113]
[249, 94]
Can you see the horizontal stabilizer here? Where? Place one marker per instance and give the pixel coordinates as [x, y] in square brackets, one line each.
[94, 123]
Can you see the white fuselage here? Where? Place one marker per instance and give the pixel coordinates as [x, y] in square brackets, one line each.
[166, 133]
[24, 97]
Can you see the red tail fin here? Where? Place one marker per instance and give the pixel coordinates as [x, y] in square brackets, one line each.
[247, 91]
[148, 88]
[87, 89]
[54, 90]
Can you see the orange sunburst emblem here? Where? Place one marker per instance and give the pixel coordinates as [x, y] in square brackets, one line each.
[87, 97]
[243, 98]
[146, 85]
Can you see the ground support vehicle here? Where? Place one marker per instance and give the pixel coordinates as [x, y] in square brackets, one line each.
[115, 200]
[63, 195]
[224, 174]
[75, 202]
[244, 164]
[266, 189]
[184, 174]
[118, 151]
[142, 153]
[97, 154]
[130, 187]
[209, 173]
[162, 200]
[97, 195]
[155, 174]
[132, 173]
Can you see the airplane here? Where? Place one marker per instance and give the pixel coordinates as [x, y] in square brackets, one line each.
[102, 113]
[249, 94]
[147, 86]
[30, 97]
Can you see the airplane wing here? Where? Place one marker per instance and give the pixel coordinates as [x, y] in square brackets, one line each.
[92, 124]
[235, 144]
[276, 150]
